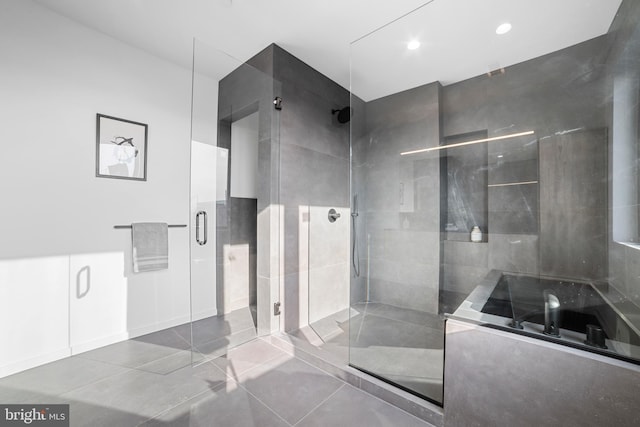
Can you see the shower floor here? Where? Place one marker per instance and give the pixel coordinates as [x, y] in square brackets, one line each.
[397, 344]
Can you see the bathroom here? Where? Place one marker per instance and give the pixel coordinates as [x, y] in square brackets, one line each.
[346, 239]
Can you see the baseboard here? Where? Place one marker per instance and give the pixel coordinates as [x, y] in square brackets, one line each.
[78, 348]
[144, 330]
[23, 365]
[210, 312]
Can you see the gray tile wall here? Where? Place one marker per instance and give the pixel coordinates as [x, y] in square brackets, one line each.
[243, 235]
[562, 91]
[513, 209]
[573, 205]
[398, 199]
[314, 177]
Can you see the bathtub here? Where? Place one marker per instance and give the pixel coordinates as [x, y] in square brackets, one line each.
[515, 303]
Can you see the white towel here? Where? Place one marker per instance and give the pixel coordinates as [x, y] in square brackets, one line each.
[150, 246]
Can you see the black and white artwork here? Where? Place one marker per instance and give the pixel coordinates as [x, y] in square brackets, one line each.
[121, 148]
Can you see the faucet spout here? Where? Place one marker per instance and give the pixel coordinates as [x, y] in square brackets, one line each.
[551, 314]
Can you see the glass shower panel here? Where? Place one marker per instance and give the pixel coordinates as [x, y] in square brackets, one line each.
[232, 168]
[396, 326]
[506, 196]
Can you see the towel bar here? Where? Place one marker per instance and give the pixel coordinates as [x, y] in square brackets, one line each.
[170, 226]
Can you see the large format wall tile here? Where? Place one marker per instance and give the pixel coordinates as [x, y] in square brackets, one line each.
[328, 290]
[399, 198]
[309, 177]
[514, 252]
[573, 205]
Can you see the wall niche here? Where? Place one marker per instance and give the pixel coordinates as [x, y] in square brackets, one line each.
[463, 185]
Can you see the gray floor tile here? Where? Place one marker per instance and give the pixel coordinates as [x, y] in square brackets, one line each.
[131, 353]
[57, 377]
[83, 414]
[290, 387]
[132, 382]
[178, 337]
[16, 395]
[219, 347]
[205, 370]
[172, 362]
[350, 407]
[247, 356]
[229, 406]
[218, 327]
[395, 343]
[139, 395]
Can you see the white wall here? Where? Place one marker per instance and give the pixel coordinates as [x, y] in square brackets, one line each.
[244, 157]
[58, 248]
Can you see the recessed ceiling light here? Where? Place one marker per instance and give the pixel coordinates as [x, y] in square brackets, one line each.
[413, 45]
[500, 156]
[503, 28]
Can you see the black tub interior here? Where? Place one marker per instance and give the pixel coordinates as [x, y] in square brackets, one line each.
[522, 298]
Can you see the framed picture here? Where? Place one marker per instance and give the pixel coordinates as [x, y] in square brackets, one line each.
[121, 148]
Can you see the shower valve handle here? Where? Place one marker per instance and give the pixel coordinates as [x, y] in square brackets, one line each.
[333, 215]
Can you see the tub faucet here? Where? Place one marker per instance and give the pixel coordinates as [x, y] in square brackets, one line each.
[551, 314]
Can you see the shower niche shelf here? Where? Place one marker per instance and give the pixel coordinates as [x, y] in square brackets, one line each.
[463, 187]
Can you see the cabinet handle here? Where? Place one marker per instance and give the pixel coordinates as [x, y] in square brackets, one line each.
[204, 240]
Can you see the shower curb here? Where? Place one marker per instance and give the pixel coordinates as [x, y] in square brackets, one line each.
[331, 364]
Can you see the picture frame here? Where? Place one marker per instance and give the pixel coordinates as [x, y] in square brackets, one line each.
[121, 148]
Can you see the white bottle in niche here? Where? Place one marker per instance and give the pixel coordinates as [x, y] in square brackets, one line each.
[476, 234]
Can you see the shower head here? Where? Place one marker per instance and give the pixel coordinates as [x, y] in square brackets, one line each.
[344, 115]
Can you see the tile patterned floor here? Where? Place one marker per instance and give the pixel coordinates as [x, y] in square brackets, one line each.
[401, 345]
[254, 384]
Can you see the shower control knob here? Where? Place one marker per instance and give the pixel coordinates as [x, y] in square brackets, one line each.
[333, 215]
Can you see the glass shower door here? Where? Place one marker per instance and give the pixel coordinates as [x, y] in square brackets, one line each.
[234, 152]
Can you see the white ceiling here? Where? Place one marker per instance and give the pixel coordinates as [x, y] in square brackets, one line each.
[458, 36]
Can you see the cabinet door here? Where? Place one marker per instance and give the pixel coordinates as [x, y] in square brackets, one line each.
[98, 300]
[34, 319]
